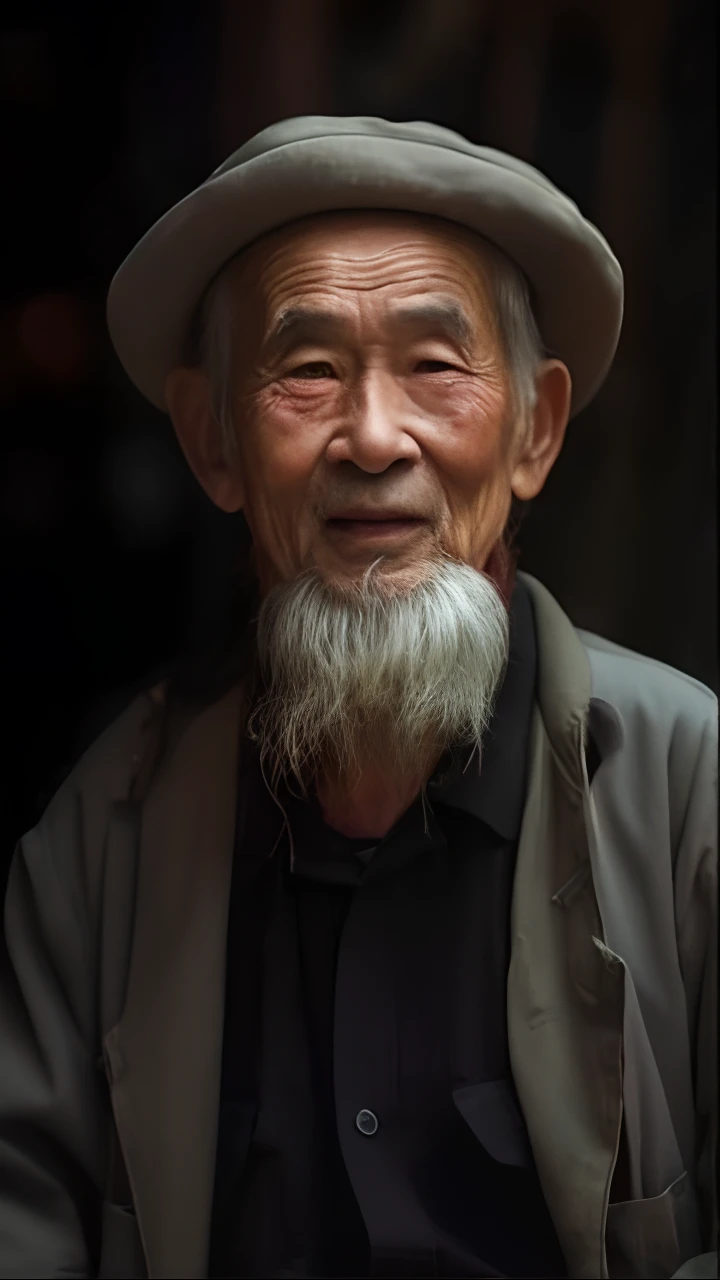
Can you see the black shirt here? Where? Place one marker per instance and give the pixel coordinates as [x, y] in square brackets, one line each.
[368, 1119]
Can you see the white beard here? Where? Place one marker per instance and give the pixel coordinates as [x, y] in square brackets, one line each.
[364, 672]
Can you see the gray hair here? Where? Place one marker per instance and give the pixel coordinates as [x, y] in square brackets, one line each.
[210, 341]
[369, 671]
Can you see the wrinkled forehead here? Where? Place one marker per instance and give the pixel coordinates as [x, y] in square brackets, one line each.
[366, 248]
[364, 229]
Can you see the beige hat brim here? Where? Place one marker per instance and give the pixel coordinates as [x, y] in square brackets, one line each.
[576, 280]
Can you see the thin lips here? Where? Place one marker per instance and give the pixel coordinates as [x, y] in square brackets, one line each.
[376, 516]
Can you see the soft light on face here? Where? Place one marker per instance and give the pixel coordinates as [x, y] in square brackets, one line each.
[376, 458]
[371, 398]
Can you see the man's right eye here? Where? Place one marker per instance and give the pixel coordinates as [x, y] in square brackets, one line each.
[314, 369]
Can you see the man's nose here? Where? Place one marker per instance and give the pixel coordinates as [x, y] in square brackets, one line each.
[378, 428]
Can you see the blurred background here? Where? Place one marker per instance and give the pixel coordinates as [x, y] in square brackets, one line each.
[114, 563]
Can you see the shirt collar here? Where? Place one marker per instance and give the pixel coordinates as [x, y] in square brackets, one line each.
[491, 786]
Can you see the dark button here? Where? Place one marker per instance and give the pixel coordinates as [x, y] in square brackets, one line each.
[367, 1122]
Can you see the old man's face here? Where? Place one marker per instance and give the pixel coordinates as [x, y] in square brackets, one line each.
[372, 401]
[376, 448]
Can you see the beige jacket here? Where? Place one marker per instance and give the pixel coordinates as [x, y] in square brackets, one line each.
[111, 992]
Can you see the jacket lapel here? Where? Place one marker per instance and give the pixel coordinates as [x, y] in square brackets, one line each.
[565, 994]
[164, 1055]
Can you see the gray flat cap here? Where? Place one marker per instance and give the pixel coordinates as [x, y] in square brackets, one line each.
[313, 164]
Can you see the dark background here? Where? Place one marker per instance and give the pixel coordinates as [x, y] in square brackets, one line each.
[113, 561]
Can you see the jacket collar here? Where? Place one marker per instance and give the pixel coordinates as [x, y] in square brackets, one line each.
[564, 682]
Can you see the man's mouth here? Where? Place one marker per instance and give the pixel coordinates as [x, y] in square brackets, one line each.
[378, 526]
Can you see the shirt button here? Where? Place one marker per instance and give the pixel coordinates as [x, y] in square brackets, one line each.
[366, 1122]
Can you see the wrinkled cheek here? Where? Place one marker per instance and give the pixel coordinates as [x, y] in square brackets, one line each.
[476, 526]
[270, 527]
[275, 556]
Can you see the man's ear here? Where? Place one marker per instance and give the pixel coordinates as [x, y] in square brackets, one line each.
[544, 435]
[189, 403]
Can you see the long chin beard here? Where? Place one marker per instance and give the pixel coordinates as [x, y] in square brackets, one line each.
[366, 672]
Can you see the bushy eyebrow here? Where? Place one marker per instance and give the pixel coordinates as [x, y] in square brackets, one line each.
[298, 324]
[445, 317]
[303, 324]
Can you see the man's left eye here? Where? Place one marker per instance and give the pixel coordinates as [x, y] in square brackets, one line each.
[433, 366]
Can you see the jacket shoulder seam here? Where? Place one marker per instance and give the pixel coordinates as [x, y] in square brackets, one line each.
[597, 644]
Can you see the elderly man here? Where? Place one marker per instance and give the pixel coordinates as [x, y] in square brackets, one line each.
[394, 955]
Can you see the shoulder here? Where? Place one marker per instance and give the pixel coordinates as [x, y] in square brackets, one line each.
[665, 724]
[633, 682]
[122, 761]
[108, 766]
[644, 694]
[71, 832]
[656, 728]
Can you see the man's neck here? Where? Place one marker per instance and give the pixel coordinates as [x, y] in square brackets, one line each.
[373, 805]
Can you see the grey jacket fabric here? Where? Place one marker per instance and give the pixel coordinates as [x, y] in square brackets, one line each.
[112, 980]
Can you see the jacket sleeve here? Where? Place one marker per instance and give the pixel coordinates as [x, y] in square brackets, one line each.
[696, 890]
[53, 1101]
